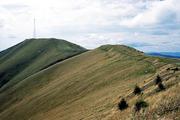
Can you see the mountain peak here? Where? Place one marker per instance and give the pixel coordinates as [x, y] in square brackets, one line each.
[33, 55]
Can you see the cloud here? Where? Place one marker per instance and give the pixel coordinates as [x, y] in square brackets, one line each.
[139, 44]
[159, 12]
[1, 24]
[14, 6]
[92, 23]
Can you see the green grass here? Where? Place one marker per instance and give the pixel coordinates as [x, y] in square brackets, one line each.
[86, 86]
[33, 55]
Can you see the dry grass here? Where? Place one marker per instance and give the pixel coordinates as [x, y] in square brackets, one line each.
[163, 105]
[85, 87]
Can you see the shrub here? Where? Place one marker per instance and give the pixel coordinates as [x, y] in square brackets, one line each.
[168, 69]
[175, 69]
[161, 87]
[137, 90]
[140, 104]
[158, 80]
[122, 104]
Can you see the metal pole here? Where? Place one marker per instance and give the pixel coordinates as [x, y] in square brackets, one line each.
[34, 33]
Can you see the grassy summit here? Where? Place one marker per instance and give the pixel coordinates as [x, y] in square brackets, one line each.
[33, 55]
[89, 86]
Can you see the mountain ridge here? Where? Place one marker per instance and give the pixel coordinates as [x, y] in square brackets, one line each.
[90, 85]
[32, 51]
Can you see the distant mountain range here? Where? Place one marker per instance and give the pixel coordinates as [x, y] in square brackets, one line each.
[165, 54]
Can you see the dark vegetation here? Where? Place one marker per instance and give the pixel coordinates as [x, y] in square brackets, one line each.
[168, 69]
[140, 104]
[175, 69]
[161, 87]
[137, 90]
[158, 80]
[122, 104]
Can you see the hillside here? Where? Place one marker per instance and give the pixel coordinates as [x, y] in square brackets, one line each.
[31, 56]
[89, 87]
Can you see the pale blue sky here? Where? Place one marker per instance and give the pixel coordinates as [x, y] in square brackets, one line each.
[148, 25]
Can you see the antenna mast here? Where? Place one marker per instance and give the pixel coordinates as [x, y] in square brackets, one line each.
[34, 33]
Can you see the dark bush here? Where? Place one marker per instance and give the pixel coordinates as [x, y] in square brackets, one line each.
[175, 69]
[137, 90]
[158, 80]
[140, 104]
[168, 69]
[122, 104]
[161, 87]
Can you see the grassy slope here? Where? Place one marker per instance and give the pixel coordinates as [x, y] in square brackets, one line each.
[86, 86]
[30, 56]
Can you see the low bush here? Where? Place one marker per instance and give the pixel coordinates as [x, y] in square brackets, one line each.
[158, 80]
[140, 104]
[137, 90]
[175, 69]
[161, 87]
[168, 69]
[122, 104]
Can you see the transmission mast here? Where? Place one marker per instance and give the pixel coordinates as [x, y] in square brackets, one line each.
[34, 32]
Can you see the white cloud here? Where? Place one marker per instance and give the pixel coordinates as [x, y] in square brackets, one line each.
[159, 12]
[90, 22]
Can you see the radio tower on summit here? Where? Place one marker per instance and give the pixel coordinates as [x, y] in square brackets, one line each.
[34, 32]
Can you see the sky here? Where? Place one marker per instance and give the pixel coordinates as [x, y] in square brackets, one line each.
[147, 25]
